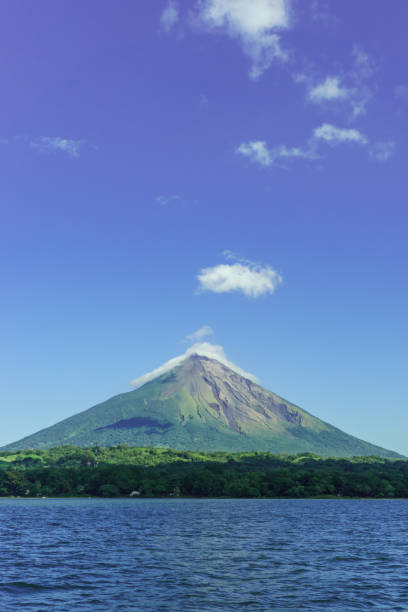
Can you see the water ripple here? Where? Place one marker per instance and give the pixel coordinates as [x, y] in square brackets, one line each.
[203, 555]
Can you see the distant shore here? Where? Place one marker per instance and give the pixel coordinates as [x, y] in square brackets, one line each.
[151, 473]
[185, 497]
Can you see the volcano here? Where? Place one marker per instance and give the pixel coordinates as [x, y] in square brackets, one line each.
[201, 404]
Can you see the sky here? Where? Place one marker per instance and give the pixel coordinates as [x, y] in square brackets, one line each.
[211, 172]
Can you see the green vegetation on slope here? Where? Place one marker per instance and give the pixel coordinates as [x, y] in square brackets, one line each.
[121, 470]
[164, 413]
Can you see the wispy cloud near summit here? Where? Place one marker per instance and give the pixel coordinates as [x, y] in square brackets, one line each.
[206, 349]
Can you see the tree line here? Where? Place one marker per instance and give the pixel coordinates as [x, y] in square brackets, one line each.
[161, 472]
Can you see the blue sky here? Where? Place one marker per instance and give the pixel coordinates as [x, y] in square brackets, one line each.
[171, 166]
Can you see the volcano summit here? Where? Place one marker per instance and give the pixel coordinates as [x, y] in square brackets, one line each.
[201, 404]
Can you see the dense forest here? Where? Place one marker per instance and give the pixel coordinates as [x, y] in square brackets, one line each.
[161, 472]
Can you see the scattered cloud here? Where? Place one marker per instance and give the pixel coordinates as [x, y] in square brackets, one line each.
[382, 151]
[48, 143]
[250, 278]
[258, 152]
[199, 334]
[169, 16]
[213, 351]
[329, 89]
[334, 135]
[163, 200]
[361, 75]
[256, 24]
[352, 89]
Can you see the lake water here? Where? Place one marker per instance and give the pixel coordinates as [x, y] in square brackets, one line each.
[203, 555]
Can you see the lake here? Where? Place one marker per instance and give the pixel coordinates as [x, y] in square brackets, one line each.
[203, 555]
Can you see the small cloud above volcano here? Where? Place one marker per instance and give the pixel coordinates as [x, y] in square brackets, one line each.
[250, 278]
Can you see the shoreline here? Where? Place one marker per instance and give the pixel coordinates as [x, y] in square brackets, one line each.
[185, 497]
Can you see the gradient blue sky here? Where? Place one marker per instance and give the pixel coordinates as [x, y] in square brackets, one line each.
[141, 140]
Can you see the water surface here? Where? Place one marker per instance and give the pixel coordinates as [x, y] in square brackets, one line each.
[203, 555]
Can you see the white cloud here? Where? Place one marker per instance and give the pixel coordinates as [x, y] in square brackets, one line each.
[284, 152]
[258, 152]
[48, 143]
[213, 351]
[334, 135]
[329, 89]
[255, 23]
[167, 199]
[169, 16]
[382, 151]
[352, 89]
[252, 279]
[199, 334]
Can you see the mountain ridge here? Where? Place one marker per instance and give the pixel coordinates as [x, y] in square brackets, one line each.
[201, 404]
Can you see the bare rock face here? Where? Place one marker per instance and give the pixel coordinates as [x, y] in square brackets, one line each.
[229, 397]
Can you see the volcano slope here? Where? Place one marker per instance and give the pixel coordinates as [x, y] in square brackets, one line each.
[202, 405]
